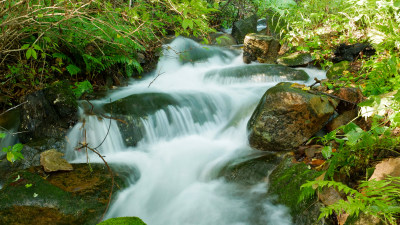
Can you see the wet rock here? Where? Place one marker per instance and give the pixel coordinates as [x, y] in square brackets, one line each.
[48, 113]
[346, 52]
[341, 120]
[260, 47]
[189, 51]
[243, 27]
[129, 110]
[286, 117]
[337, 69]
[51, 161]
[284, 184]
[75, 197]
[258, 73]
[123, 221]
[296, 59]
[250, 171]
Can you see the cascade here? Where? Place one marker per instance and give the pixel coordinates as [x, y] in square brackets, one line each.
[191, 127]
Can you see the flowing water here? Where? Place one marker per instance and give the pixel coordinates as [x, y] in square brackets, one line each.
[187, 142]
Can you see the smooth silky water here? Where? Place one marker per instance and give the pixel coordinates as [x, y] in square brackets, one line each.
[185, 146]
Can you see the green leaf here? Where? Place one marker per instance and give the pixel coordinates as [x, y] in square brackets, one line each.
[368, 102]
[25, 46]
[10, 157]
[187, 23]
[3, 135]
[28, 185]
[29, 53]
[37, 47]
[17, 147]
[72, 69]
[327, 152]
[34, 55]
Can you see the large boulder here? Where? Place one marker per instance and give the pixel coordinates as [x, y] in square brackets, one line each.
[284, 183]
[75, 197]
[288, 116]
[260, 47]
[243, 27]
[257, 72]
[222, 39]
[48, 113]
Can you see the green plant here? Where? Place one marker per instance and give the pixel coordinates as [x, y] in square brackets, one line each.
[13, 152]
[82, 87]
[376, 198]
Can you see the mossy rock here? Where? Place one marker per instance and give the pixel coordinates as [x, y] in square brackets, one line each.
[337, 69]
[296, 59]
[123, 221]
[75, 197]
[285, 182]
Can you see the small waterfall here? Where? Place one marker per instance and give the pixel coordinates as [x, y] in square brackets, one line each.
[191, 127]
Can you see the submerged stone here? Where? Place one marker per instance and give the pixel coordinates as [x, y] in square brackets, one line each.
[258, 72]
[250, 171]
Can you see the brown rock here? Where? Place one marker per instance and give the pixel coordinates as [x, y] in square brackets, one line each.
[286, 117]
[341, 120]
[388, 167]
[260, 47]
[353, 95]
[51, 161]
[329, 196]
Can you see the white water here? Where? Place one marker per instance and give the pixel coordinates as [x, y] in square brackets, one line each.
[185, 146]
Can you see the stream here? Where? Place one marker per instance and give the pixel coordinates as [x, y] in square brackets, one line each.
[185, 144]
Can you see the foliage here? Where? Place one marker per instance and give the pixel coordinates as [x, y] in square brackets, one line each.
[13, 152]
[376, 198]
[82, 87]
[40, 41]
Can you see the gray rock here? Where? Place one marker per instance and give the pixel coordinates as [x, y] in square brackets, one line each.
[258, 72]
[48, 113]
[296, 59]
[243, 27]
[286, 117]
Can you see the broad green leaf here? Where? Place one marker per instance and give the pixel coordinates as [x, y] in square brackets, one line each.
[17, 147]
[37, 47]
[29, 53]
[34, 55]
[10, 157]
[3, 135]
[25, 46]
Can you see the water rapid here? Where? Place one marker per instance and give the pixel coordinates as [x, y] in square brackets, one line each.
[190, 128]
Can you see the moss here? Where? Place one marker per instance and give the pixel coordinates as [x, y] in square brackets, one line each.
[337, 69]
[123, 221]
[295, 59]
[80, 195]
[285, 182]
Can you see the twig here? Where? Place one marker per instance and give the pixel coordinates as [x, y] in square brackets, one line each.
[156, 77]
[13, 108]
